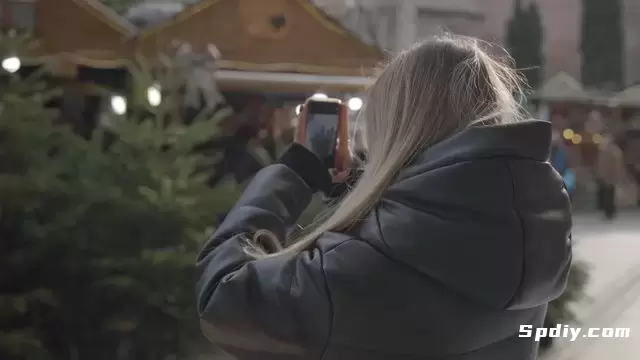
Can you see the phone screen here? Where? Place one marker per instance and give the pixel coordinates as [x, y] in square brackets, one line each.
[322, 131]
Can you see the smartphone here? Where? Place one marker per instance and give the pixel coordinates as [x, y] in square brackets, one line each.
[323, 124]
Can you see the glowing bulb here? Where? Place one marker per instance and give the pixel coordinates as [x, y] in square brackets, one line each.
[11, 64]
[119, 104]
[298, 110]
[320, 96]
[355, 104]
[154, 95]
[576, 139]
[568, 134]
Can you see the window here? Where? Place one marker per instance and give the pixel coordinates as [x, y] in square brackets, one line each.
[22, 14]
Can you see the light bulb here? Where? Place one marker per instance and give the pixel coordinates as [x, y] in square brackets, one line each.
[298, 109]
[320, 96]
[568, 134]
[355, 104]
[119, 104]
[154, 95]
[11, 64]
[576, 139]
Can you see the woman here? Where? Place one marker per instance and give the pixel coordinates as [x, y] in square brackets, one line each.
[559, 161]
[610, 172]
[455, 235]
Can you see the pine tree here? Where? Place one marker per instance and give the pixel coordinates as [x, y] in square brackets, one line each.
[524, 40]
[99, 237]
[25, 142]
[559, 311]
[602, 44]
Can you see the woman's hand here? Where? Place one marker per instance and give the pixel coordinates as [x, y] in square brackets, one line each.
[342, 182]
[339, 176]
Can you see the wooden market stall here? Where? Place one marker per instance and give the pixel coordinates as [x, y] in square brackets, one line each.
[84, 32]
[82, 42]
[69, 33]
[273, 54]
[270, 46]
[579, 115]
[627, 103]
[585, 118]
[277, 50]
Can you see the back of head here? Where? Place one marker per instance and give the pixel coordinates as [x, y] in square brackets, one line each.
[435, 89]
[423, 96]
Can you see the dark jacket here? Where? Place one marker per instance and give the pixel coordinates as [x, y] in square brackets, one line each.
[469, 243]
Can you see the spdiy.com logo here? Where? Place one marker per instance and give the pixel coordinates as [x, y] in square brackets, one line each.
[572, 333]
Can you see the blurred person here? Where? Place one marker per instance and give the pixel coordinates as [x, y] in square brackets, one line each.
[632, 156]
[560, 161]
[243, 127]
[456, 233]
[610, 173]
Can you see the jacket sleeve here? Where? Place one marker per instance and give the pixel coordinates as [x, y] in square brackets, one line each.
[277, 305]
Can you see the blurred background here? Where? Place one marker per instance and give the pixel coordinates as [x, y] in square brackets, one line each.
[128, 128]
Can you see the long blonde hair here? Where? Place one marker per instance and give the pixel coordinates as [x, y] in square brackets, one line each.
[424, 95]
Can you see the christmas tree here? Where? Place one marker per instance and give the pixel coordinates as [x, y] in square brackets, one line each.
[559, 311]
[99, 235]
[26, 139]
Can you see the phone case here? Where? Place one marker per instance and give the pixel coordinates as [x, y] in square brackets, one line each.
[342, 160]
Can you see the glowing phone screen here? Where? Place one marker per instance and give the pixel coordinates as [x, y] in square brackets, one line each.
[322, 132]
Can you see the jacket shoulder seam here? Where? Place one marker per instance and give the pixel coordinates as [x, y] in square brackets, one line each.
[523, 233]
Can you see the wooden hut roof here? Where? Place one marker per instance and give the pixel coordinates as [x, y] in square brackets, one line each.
[103, 13]
[282, 36]
[149, 13]
[81, 32]
[562, 87]
[629, 97]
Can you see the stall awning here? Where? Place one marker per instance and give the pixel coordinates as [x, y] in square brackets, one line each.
[249, 80]
[630, 97]
[561, 88]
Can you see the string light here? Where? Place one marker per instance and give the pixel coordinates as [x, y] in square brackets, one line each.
[119, 104]
[568, 134]
[11, 64]
[154, 95]
[576, 139]
[355, 104]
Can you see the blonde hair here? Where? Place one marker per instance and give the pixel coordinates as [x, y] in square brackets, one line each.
[424, 95]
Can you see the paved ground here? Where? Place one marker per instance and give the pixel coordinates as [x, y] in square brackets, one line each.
[613, 253]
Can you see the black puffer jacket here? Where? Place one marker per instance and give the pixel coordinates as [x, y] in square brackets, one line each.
[470, 242]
